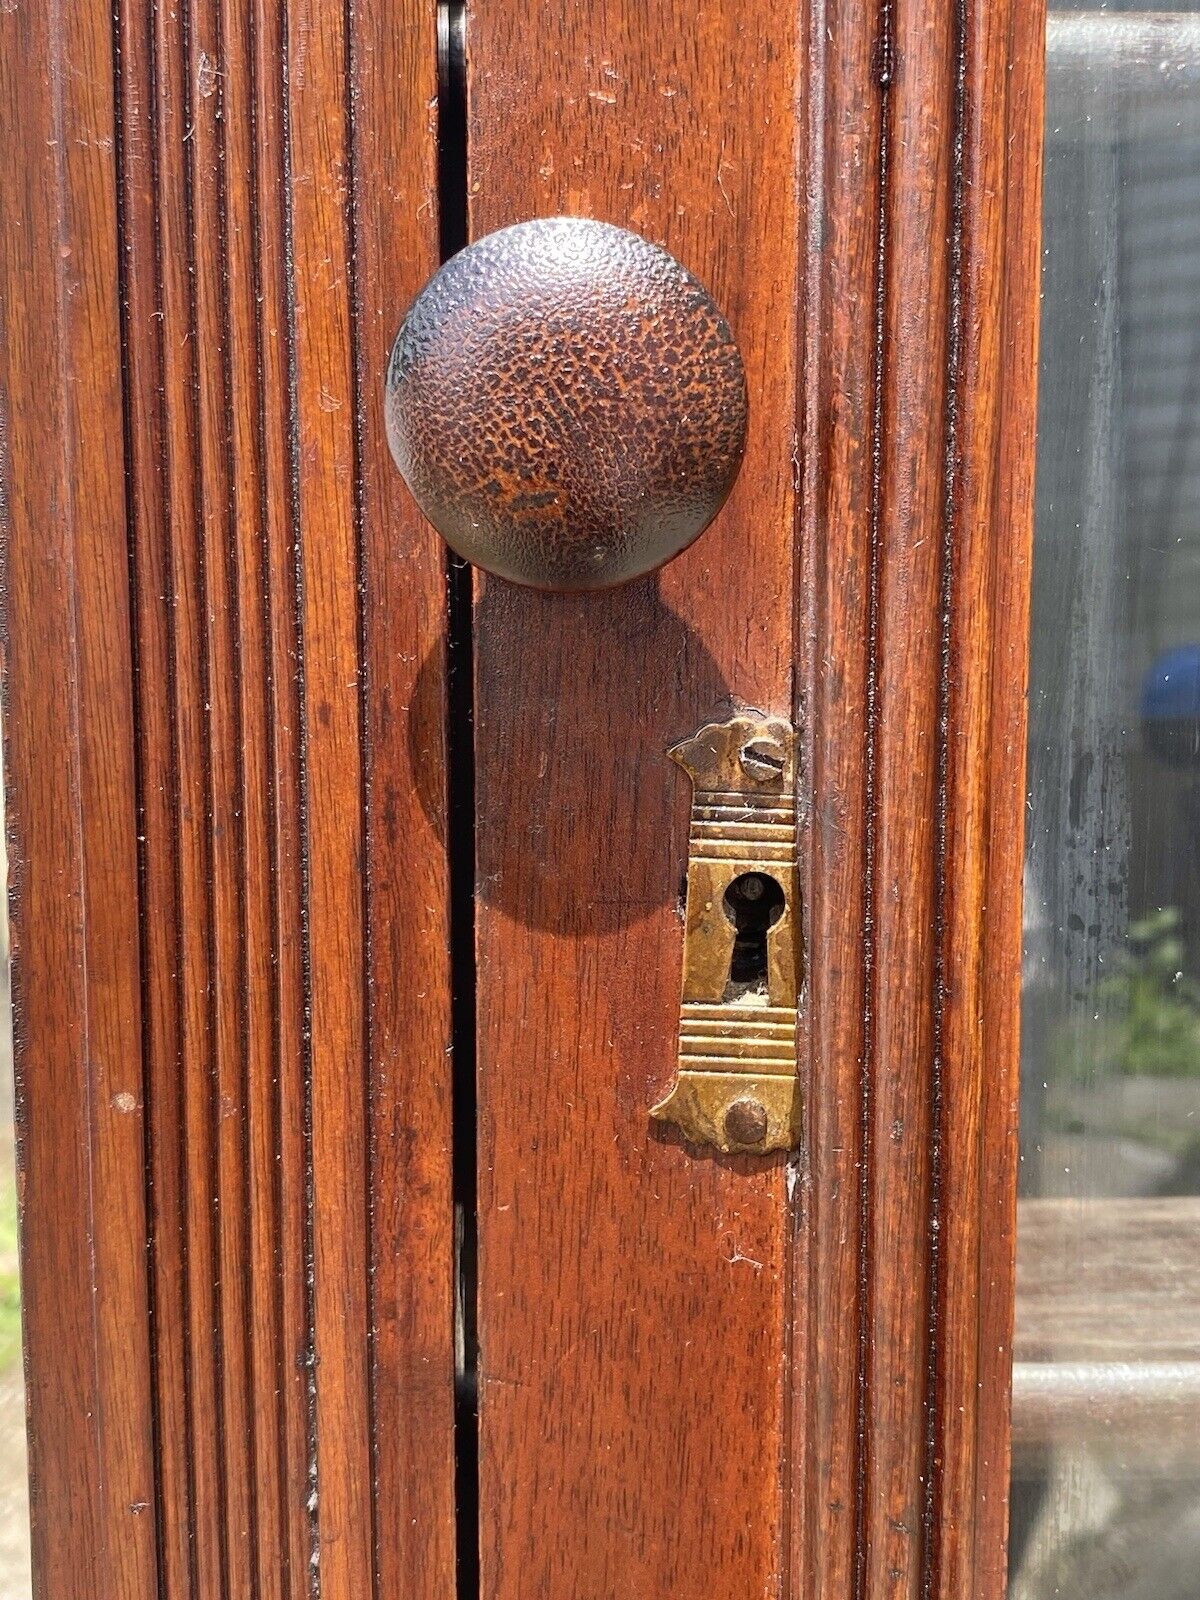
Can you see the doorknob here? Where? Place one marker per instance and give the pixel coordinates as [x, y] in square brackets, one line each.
[567, 404]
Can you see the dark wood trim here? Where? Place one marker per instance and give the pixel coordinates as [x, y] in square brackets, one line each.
[917, 518]
[72, 813]
[990, 507]
[920, 132]
[226, 742]
[393, 83]
[226, 727]
[837, 600]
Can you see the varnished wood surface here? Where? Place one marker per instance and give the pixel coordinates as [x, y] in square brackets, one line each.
[71, 813]
[225, 674]
[836, 601]
[913, 410]
[403, 618]
[987, 576]
[633, 1292]
[226, 682]
[918, 468]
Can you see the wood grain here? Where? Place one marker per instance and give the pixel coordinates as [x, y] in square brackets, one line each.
[225, 722]
[276, 1337]
[632, 1310]
[917, 308]
[393, 86]
[1001, 196]
[72, 813]
[837, 602]
[918, 467]
[956, 368]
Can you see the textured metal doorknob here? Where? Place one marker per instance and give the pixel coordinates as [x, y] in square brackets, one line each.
[567, 404]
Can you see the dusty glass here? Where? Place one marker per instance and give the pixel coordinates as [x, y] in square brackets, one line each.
[1106, 1392]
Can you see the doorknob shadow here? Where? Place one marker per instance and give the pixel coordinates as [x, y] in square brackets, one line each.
[582, 819]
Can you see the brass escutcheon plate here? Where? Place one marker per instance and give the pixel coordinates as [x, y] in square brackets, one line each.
[735, 1087]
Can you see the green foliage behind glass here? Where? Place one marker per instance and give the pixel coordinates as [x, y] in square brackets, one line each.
[1148, 1010]
[10, 1282]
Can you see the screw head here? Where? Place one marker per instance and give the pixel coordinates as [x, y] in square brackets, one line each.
[746, 1122]
[763, 760]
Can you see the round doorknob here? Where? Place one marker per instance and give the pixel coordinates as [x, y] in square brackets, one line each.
[567, 404]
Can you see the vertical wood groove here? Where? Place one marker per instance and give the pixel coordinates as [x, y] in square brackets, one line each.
[243, 985]
[1000, 119]
[932, 1476]
[883, 52]
[841, 544]
[208, 508]
[350, 89]
[228, 811]
[131, 446]
[312, 1566]
[801, 1480]
[925, 134]
[177, 1554]
[242, 1454]
[273, 1366]
[185, 671]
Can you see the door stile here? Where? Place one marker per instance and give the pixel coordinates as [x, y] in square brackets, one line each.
[633, 1291]
[226, 709]
[227, 732]
[71, 813]
[918, 763]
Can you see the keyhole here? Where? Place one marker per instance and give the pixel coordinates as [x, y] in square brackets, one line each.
[753, 903]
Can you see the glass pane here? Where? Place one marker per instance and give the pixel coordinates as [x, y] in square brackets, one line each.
[1106, 1476]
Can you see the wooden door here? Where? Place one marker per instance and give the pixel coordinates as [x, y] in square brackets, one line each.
[346, 884]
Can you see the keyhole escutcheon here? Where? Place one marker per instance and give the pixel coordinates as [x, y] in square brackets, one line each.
[754, 903]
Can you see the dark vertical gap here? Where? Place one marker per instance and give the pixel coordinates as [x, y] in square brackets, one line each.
[885, 48]
[460, 757]
[954, 341]
[312, 1500]
[124, 250]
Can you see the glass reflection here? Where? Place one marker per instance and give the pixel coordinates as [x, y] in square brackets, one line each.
[1106, 1478]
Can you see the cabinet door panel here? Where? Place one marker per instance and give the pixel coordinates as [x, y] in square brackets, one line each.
[633, 1292]
[260, 953]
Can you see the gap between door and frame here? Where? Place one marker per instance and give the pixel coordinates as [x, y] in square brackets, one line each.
[460, 759]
